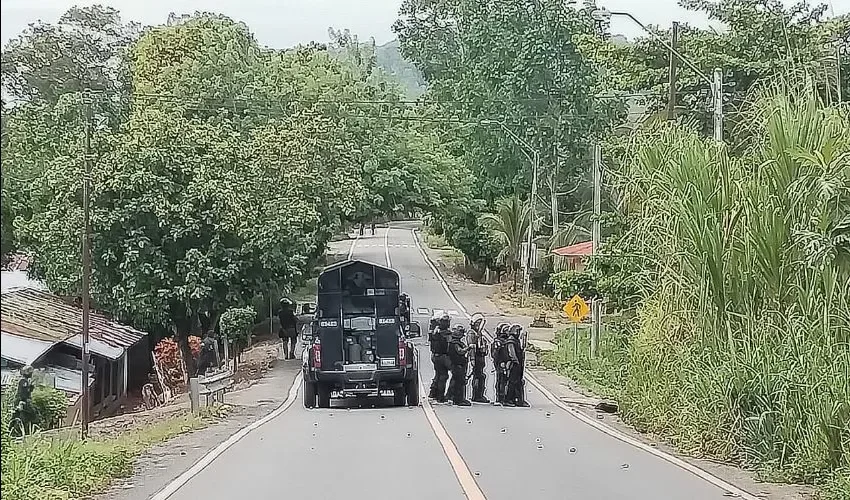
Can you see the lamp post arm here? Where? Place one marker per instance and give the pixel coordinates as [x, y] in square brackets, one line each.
[666, 45]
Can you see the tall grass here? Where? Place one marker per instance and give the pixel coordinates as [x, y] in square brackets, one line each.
[742, 345]
[61, 467]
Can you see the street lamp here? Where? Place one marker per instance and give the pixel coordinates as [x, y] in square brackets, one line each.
[716, 84]
[535, 166]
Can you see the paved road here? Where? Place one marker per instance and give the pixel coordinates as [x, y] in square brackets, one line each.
[377, 452]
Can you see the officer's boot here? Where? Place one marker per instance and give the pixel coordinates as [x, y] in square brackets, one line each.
[520, 400]
[478, 388]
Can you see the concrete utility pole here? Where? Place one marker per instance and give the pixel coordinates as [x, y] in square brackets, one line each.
[86, 272]
[717, 89]
[671, 96]
[596, 305]
[535, 167]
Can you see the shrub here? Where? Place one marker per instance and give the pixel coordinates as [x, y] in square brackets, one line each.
[237, 324]
[168, 355]
[51, 405]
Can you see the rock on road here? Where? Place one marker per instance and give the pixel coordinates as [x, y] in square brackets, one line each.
[483, 451]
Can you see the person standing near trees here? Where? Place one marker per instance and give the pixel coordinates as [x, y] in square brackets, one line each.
[288, 327]
[24, 414]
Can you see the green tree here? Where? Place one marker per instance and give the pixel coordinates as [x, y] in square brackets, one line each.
[522, 64]
[510, 225]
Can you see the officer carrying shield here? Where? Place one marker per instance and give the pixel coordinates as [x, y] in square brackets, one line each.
[438, 338]
[458, 356]
[500, 359]
[516, 376]
[478, 354]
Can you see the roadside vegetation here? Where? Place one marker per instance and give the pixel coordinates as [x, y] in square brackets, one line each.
[57, 466]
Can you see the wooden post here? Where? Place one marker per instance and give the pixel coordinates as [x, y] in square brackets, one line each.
[126, 374]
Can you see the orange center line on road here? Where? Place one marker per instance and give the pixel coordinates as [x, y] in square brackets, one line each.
[464, 475]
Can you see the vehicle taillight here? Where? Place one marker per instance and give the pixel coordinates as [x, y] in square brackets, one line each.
[317, 355]
[402, 352]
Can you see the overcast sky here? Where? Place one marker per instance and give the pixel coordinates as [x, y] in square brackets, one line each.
[283, 23]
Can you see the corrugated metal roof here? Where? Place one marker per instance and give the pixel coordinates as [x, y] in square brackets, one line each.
[11, 280]
[577, 250]
[22, 350]
[43, 316]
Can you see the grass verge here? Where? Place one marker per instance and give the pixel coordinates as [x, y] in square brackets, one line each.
[59, 467]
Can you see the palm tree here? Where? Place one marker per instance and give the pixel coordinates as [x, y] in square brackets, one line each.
[509, 225]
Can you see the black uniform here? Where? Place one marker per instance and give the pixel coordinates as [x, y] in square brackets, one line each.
[207, 358]
[439, 343]
[460, 363]
[479, 350]
[501, 357]
[288, 329]
[516, 379]
[24, 415]
[404, 308]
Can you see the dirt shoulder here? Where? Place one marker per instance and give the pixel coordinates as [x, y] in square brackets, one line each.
[490, 301]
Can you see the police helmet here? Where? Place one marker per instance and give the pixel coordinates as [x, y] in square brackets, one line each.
[502, 330]
[445, 321]
[477, 322]
[515, 330]
[27, 370]
[458, 331]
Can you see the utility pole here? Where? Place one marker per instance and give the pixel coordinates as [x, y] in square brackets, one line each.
[671, 96]
[717, 89]
[555, 221]
[86, 275]
[531, 212]
[596, 305]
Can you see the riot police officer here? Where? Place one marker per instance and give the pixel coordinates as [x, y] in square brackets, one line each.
[207, 358]
[478, 353]
[500, 357]
[438, 339]
[404, 308]
[516, 376]
[458, 356]
[24, 415]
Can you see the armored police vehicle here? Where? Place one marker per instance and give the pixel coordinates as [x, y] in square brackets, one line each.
[360, 345]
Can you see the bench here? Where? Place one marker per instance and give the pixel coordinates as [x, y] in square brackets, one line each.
[213, 387]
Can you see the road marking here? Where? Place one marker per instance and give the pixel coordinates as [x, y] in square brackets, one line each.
[387, 247]
[353, 243]
[422, 310]
[464, 475]
[181, 480]
[610, 431]
[452, 312]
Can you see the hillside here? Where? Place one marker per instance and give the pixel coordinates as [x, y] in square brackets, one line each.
[390, 60]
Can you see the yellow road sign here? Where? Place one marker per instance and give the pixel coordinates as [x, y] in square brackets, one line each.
[576, 308]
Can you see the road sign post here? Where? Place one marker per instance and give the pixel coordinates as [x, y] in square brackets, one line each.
[576, 309]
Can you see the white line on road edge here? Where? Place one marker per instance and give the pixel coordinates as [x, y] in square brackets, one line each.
[464, 475]
[707, 476]
[172, 487]
[353, 243]
[386, 246]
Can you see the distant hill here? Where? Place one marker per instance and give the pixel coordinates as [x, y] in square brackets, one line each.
[411, 79]
[390, 60]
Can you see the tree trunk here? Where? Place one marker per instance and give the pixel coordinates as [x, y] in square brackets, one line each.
[183, 321]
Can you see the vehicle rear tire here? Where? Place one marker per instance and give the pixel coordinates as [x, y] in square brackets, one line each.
[413, 392]
[309, 394]
[324, 393]
[399, 396]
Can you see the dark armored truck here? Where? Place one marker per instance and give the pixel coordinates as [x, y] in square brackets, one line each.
[360, 346]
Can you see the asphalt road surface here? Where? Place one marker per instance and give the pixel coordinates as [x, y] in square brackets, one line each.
[372, 451]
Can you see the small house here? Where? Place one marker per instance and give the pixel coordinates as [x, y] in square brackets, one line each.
[45, 331]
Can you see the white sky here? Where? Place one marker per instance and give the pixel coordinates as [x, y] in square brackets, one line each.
[283, 23]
